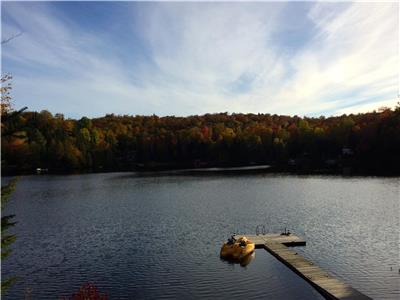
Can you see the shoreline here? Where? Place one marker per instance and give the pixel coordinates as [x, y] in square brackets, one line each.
[214, 170]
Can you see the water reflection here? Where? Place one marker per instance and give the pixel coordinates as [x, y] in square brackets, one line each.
[243, 262]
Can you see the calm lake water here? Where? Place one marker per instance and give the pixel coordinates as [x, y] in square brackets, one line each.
[151, 237]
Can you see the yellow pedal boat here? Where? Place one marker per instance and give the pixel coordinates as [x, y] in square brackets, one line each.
[237, 249]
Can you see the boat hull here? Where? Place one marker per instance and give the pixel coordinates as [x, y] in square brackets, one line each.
[237, 250]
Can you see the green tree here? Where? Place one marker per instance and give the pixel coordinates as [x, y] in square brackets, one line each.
[6, 223]
[5, 93]
[9, 129]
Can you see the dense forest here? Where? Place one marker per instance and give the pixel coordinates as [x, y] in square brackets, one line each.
[357, 144]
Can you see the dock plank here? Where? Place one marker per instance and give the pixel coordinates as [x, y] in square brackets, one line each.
[326, 284]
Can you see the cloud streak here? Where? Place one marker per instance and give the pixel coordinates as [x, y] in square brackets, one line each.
[195, 58]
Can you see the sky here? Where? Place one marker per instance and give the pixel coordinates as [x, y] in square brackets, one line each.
[175, 58]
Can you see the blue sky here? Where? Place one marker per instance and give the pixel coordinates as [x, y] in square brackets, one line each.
[175, 58]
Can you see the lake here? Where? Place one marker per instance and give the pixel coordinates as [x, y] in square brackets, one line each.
[151, 236]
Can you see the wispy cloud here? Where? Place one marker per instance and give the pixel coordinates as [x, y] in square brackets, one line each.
[194, 58]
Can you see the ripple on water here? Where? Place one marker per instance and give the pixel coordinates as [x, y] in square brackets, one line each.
[159, 238]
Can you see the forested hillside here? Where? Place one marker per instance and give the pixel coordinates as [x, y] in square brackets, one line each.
[363, 143]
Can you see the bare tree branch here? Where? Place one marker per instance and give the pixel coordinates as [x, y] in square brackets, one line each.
[11, 38]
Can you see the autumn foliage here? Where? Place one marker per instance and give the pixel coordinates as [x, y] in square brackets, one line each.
[368, 143]
[88, 291]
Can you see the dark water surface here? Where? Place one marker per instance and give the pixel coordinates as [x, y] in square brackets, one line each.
[159, 236]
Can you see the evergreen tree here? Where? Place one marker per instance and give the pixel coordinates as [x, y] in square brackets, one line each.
[6, 223]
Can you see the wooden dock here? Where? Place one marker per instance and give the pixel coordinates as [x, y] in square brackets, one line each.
[326, 284]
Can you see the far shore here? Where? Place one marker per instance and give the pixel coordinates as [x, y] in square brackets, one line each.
[179, 169]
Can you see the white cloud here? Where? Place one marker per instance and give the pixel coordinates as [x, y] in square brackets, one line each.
[210, 57]
[355, 53]
[369, 107]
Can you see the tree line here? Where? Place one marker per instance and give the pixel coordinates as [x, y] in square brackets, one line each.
[367, 143]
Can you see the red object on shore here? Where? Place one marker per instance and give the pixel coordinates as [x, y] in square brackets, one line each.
[88, 291]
